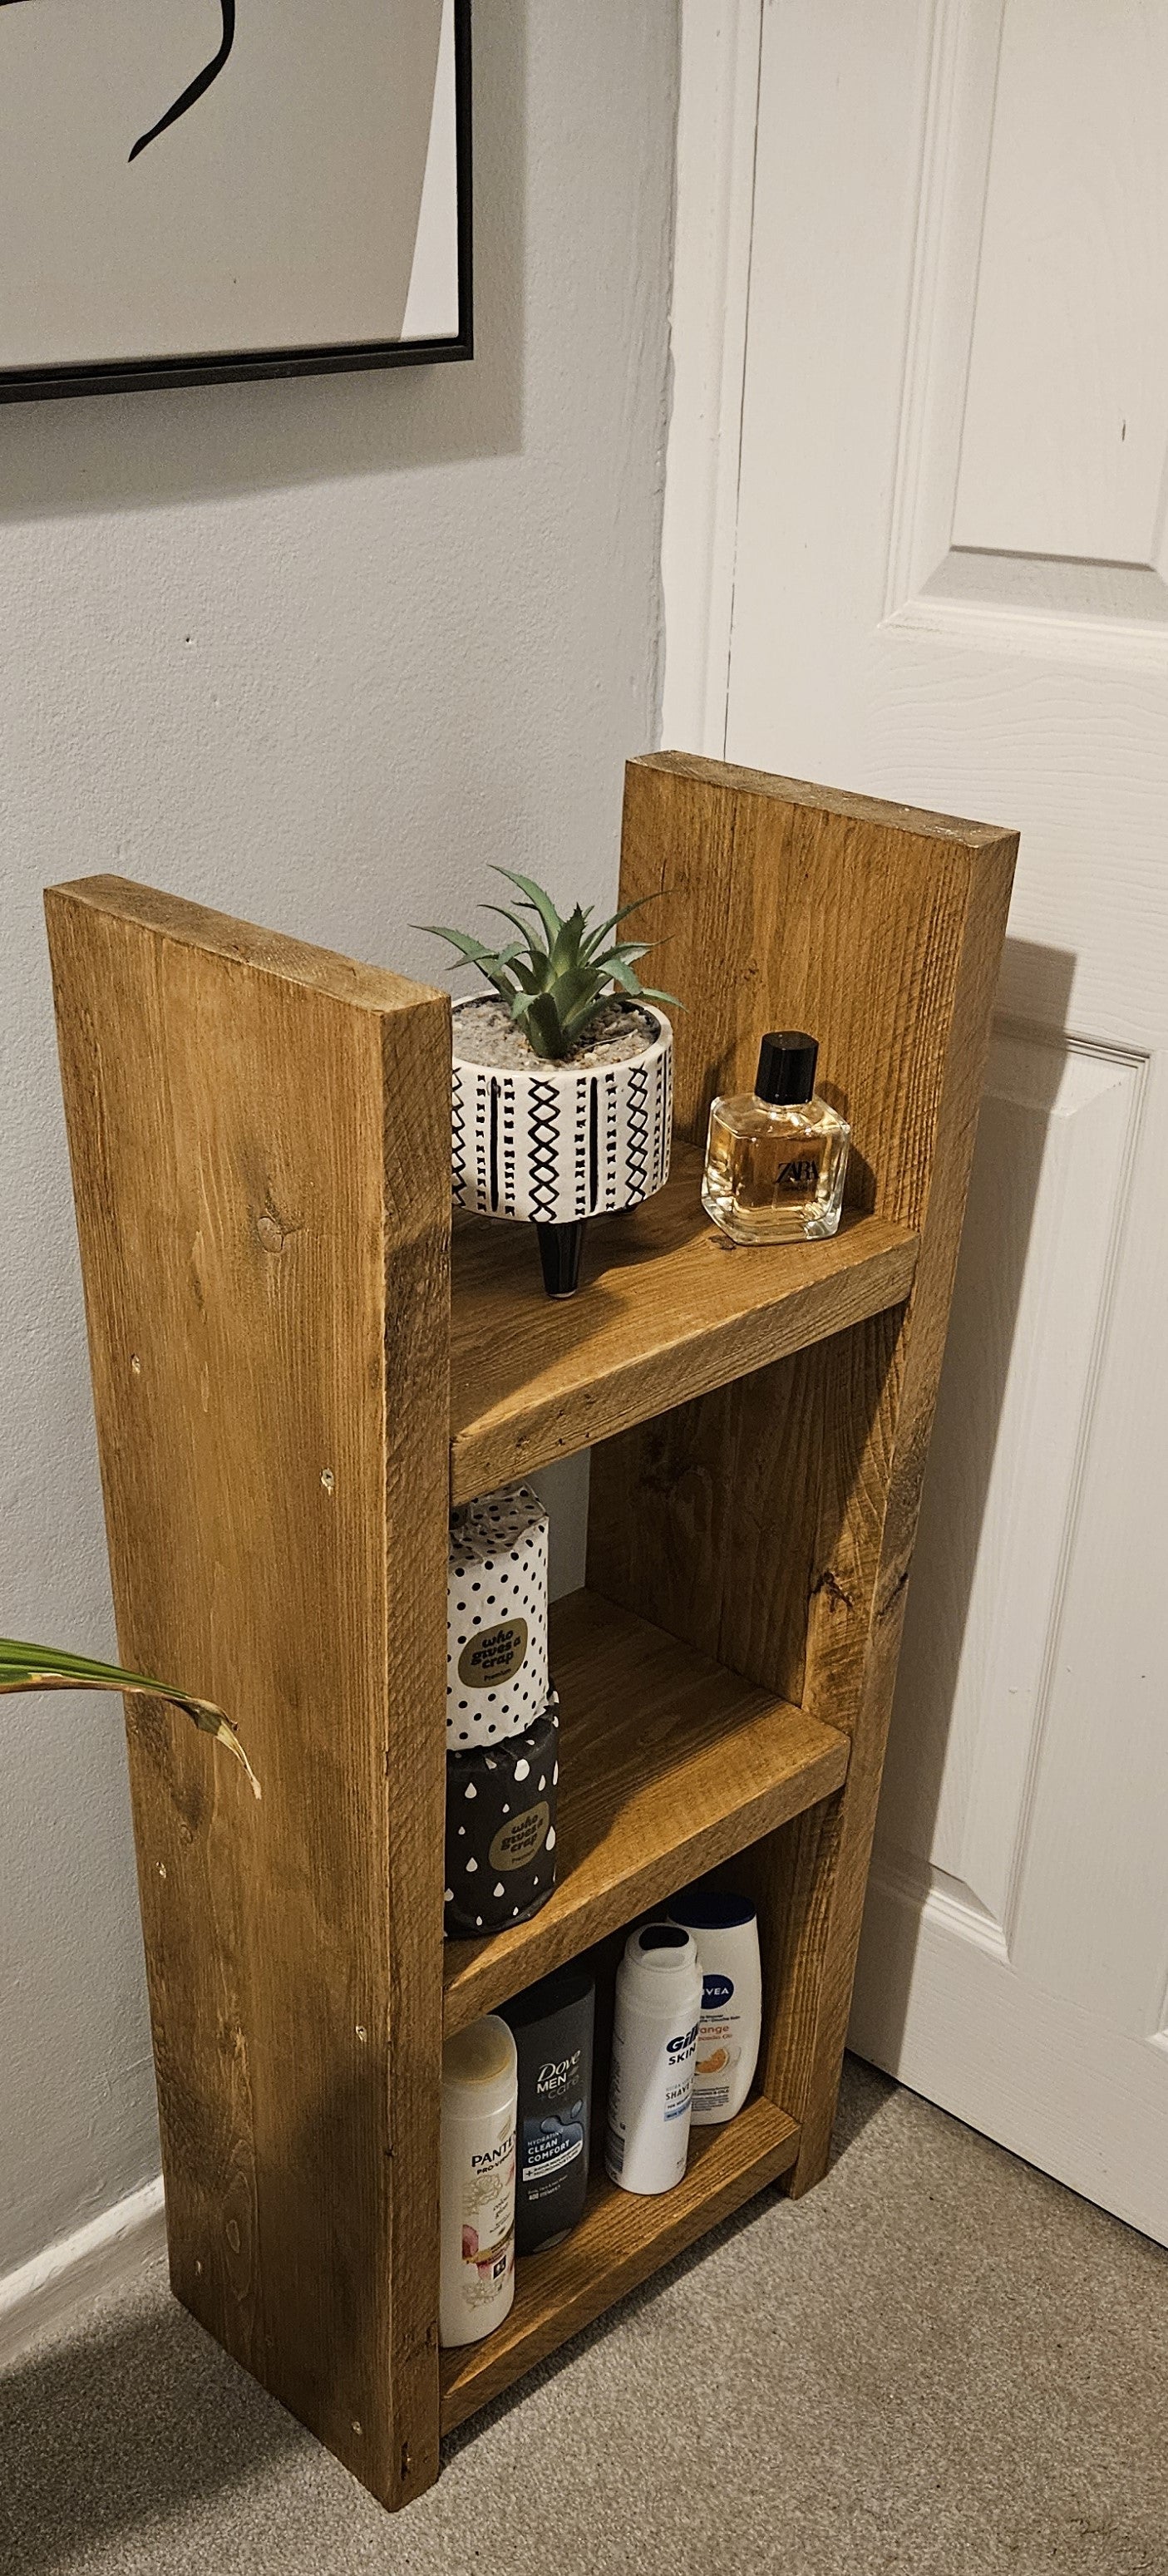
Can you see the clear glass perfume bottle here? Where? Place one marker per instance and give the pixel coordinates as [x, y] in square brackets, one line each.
[776, 1156]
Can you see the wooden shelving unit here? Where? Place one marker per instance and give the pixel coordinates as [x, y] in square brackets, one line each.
[289, 1393]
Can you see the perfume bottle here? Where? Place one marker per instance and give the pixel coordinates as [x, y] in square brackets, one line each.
[776, 1156]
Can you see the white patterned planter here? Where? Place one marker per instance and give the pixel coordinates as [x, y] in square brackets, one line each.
[563, 1141]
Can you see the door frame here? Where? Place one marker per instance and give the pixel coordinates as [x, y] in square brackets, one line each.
[717, 128]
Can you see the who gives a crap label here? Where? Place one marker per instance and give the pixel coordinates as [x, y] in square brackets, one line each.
[496, 1618]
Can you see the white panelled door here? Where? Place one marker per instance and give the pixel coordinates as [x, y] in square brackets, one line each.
[949, 586]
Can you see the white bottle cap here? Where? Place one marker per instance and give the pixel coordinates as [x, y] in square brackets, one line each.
[479, 2068]
[660, 1957]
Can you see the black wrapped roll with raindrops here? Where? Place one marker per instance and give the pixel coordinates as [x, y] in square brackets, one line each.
[501, 1829]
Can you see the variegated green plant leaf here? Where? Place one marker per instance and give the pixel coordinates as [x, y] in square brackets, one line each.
[28, 1668]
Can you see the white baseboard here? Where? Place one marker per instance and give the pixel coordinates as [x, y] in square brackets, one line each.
[48, 2290]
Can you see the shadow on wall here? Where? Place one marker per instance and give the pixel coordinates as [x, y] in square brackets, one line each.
[134, 451]
[983, 1326]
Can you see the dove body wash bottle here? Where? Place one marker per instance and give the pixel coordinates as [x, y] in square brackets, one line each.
[552, 2024]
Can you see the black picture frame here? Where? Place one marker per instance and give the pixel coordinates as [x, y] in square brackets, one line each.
[157, 375]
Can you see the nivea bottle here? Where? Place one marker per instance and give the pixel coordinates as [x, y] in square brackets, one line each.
[725, 1929]
[654, 2036]
[552, 2024]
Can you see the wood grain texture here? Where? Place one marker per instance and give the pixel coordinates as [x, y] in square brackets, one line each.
[620, 2240]
[771, 1522]
[667, 1764]
[669, 1309]
[260, 1146]
[741, 1532]
[781, 904]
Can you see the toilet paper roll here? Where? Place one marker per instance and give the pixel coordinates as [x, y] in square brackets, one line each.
[501, 1829]
[496, 1618]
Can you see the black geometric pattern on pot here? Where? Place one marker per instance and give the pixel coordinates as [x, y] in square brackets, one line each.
[482, 1142]
[551, 1161]
[580, 1138]
[636, 1135]
[666, 1113]
[612, 1198]
[493, 1147]
[508, 1199]
[543, 1128]
[458, 1141]
[660, 1130]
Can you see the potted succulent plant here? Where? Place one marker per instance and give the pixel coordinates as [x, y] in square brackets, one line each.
[563, 1076]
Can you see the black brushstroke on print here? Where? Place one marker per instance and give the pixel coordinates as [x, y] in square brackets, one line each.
[199, 86]
[196, 89]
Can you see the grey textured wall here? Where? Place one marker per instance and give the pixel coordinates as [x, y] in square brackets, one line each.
[315, 653]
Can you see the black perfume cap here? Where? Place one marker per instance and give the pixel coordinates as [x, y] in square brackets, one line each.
[786, 1066]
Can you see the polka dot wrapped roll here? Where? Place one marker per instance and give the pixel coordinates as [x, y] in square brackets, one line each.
[496, 1618]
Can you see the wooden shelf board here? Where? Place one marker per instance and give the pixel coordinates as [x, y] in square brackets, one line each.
[668, 1764]
[668, 1309]
[620, 2240]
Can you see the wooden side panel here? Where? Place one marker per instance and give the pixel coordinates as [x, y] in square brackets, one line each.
[260, 1155]
[771, 1523]
[783, 905]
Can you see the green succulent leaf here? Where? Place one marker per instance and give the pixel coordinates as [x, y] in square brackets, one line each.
[538, 901]
[473, 951]
[555, 974]
[543, 1025]
[615, 919]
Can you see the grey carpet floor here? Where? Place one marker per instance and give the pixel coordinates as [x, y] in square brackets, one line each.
[939, 2362]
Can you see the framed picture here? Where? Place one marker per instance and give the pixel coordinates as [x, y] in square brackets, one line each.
[195, 190]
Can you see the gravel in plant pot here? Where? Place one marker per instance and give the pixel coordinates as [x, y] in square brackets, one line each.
[563, 1077]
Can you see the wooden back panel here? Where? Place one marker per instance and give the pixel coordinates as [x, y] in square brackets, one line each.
[789, 906]
[772, 1522]
[260, 1144]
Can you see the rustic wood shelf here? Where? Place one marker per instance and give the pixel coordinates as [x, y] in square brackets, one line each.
[288, 1394]
[620, 2240]
[672, 1310]
[669, 1764]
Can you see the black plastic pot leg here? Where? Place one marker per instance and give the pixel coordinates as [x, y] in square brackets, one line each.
[559, 1251]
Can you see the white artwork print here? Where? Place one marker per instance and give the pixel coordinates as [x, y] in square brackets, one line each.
[200, 178]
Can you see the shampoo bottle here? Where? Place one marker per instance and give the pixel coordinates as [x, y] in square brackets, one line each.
[654, 2034]
[477, 2209]
[552, 2023]
[725, 1929]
